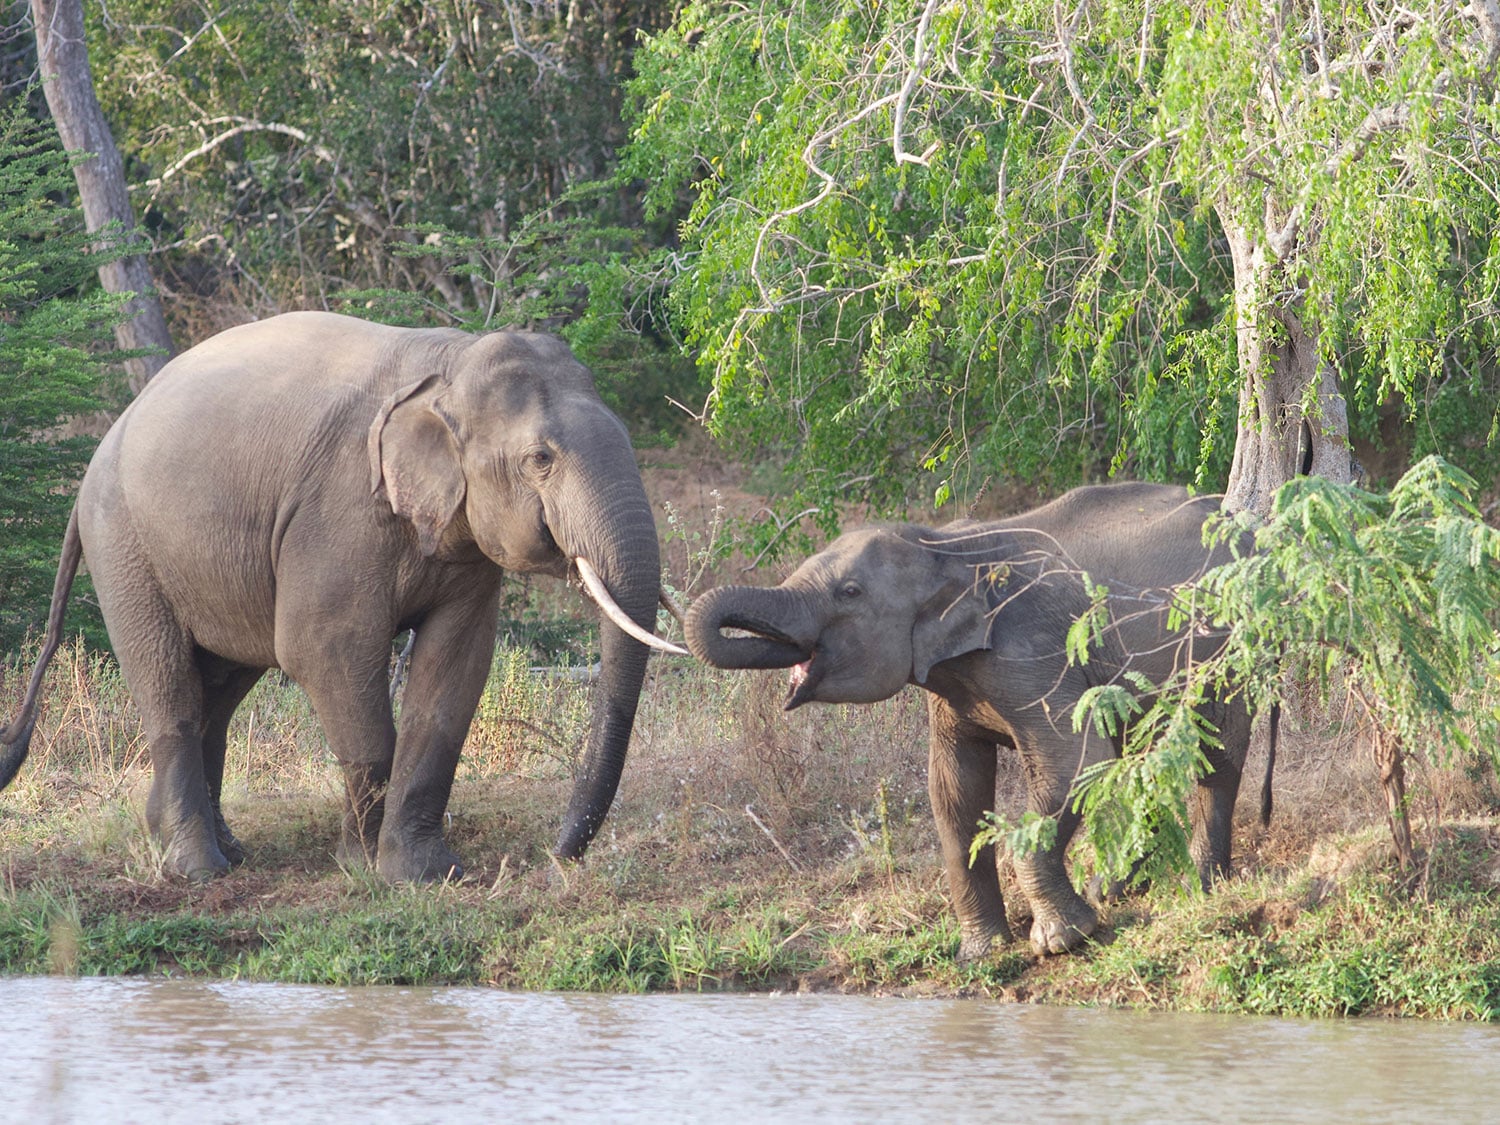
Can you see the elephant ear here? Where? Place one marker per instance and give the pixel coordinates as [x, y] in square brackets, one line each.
[414, 453]
[955, 621]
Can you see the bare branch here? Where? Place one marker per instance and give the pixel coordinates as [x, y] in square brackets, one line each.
[245, 125]
[922, 50]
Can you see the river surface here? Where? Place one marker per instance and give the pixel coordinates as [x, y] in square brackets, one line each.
[126, 1051]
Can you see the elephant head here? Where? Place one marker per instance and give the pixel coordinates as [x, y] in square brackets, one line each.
[855, 623]
[511, 452]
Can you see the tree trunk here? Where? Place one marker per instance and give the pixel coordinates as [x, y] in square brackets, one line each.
[69, 87]
[1284, 430]
[1388, 753]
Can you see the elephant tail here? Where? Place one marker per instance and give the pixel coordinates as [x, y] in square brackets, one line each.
[15, 739]
[1265, 786]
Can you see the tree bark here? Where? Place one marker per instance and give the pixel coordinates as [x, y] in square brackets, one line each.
[1292, 415]
[1388, 755]
[68, 84]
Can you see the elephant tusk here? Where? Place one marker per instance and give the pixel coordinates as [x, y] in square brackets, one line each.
[612, 610]
[671, 605]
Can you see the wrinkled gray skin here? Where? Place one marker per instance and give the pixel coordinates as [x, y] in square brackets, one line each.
[977, 614]
[292, 494]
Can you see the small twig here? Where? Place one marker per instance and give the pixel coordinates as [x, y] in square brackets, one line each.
[502, 877]
[786, 855]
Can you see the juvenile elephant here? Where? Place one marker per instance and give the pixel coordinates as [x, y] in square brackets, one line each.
[292, 494]
[977, 614]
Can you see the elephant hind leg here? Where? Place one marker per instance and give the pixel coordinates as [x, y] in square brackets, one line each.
[1215, 794]
[158, 662]
[168, 692]
[224, 688]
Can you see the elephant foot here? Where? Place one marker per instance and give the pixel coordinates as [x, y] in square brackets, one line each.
[429, 862]
[197, 862]
[1058, 931]
[233, 851]
[979, 944]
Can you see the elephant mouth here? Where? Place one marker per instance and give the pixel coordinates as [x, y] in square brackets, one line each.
[805, 668]
[803, 682]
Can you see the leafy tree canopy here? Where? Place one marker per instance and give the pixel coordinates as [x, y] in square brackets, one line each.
[994, 240]
[415, 163]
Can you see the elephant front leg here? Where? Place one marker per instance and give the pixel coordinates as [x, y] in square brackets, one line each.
[1061, 919]
[353, 705]
[961, 786]
[449, 665]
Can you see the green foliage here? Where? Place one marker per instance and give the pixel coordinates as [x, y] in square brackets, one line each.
[336, 127]
[925, 247]
[894, 326]
[1391, 602]
[53, 325]
[438, 163]
[1378, 149]
[408, 937]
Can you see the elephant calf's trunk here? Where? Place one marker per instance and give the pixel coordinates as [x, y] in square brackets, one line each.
[753, 610]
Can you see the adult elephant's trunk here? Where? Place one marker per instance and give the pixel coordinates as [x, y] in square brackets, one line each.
[617, 535]
[772, 615]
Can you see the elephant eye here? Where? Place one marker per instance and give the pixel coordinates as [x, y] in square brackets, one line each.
[850, 590]
[541, 458]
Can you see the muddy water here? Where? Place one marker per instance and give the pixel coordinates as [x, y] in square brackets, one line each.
[160, 1051]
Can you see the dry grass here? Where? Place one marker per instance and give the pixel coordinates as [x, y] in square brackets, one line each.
[721, 785]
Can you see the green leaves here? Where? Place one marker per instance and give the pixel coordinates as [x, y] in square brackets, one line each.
[994, 229]
[1387, 602]
[53, 324]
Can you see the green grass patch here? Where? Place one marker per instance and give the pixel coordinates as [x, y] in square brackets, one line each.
[1368, 948]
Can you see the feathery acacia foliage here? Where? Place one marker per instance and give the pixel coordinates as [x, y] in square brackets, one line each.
[1390, 603]
[54, 327]
[1049, 241]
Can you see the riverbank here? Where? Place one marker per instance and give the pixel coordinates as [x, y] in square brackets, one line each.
[748, 850]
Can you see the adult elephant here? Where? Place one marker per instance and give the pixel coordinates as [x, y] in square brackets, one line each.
[977, 614]
[292, 494]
